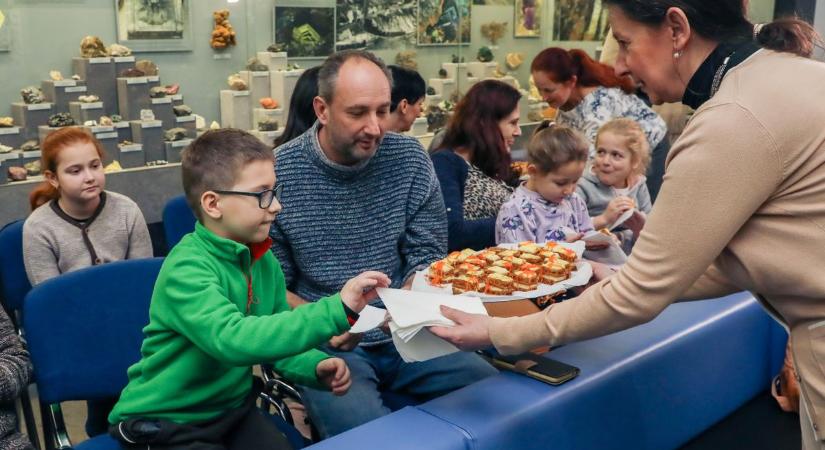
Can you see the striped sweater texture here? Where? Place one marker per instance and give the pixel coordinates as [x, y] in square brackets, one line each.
[384, 214]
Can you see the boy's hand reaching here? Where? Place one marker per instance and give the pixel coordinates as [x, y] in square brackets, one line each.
[361, 290]
[334, 374]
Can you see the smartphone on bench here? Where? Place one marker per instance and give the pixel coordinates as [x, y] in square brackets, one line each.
[535, 366]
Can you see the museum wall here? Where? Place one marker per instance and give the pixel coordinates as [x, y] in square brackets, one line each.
[819, 23]
[46, 35]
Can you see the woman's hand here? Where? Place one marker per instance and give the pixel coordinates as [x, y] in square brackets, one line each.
[469, 333]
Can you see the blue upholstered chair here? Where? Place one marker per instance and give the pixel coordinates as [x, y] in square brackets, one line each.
[177, 220]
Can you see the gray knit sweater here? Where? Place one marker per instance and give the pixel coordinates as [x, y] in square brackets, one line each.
[15, 370]
[385, 214]
[54, 243]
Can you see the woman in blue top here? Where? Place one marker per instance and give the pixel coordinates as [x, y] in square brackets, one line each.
[473, 162]
[588, 94]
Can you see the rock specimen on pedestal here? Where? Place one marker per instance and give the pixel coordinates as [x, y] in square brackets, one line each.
[105, 121]
[90, 123]
[119, 50]
[214, 125]
[31, 95]
[172, 89]
[91, 98]
[236, 83]
[223, 35]
[147, 67]
[147, 114]
[268, 125]
[113, 166]
[5, 149]
[17, 173]
[484, 54]
[268, 103]
[430, 90]
[255, 65]
[514, 60]
[406, 59]
[276, 48]
[157, 92]
[55, 75]
[182, 110]
[60, 120]
[116, 118]
[30, 145]
[442, 73]
[131, 72]
[32, 168]
[92, 47]
[174, 134]
[6, 122]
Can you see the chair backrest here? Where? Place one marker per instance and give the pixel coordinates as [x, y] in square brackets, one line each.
[178, 220]
[14, 283]
[85, 328]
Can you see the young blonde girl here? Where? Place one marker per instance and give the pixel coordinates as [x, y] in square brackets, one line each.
[546, 206]
[75, 223]
[615, 181]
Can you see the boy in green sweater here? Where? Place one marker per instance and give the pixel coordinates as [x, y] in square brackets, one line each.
[219, 307]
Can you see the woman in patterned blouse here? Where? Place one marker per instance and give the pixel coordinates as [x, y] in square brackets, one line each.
[473, 162]
[588, 94]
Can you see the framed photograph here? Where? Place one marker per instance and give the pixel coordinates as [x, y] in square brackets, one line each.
[580, 20]
[305, 31]
[444, 22]
[375, 24]
[493, 2]
[5, 27]
[527, 18]
[154, 25]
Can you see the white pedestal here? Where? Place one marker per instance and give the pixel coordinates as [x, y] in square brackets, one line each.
[261, 114]
[268, 137]
[12, 137]
[509, 80]
[275, 61]
[524, 108]
[456, 71]
[131, 156]
[431, 100]
[282, 84]
[481, 69]
[236, 109]
[419, 127]
[443, 86]
[258, 83]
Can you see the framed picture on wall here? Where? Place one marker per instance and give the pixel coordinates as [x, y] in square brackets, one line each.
[375, 24]
[5, 27]
[154, 25]
[580, 20]
[527, 18]
[305, 31]
[444, 22]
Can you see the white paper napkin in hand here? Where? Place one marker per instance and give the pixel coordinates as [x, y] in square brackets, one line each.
[612, 255]
[412, 312]
[370, 317]
[622, 219]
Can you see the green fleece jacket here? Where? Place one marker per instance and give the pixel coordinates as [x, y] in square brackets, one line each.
[218, 308]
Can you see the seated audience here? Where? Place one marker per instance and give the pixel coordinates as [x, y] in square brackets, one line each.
[16, 371]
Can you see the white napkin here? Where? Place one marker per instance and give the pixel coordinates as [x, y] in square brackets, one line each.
[412, 311]
[370, 317]
[622, 219]
[612, 255]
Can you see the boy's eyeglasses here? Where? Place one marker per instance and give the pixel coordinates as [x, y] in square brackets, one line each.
[265, 197]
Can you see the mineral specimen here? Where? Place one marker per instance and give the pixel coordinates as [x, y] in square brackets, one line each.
[90, 123]
[91, 98]
[493, 31]
[174, 134]
[32, 168]
[6, 122]
[5, 149]
[292, 66]
[157, 162]
[116, 118]
[430, 90]
[147, 67]
[119, 50]
[131, 72]
[236, 82]
[147, 114]
[32, 94]
[157, 92]
[60, 120]
[276, 48]
[214, 125]
[55, 75]
[442, 73]
[484, 54]
[114, 166]
[30, 146]
[182, 110]
[76, 77]
[105, 121]
[255, 65]
[223, 35]
[514, 60]
[406, 59]
[92, 47]
[268, 125]
[17, 173]
[455, 59]
[172, 89]
[268, 103]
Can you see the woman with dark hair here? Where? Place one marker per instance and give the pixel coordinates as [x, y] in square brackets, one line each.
[588, 94]
[301, 113]
[742, 205]
[473, 162]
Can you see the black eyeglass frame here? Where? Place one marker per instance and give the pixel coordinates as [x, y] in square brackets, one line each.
[275, 194]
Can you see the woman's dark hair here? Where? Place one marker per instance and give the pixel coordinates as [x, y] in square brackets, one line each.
[561, 65]
[301, 111]
[725, 20]
[406, 85]
[474, 126]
